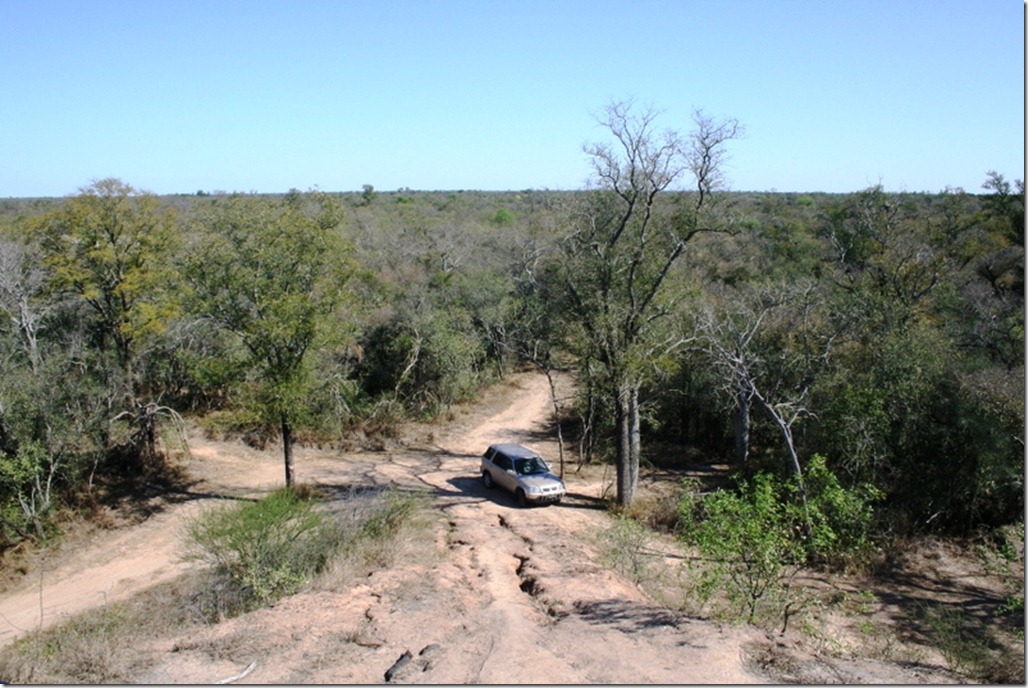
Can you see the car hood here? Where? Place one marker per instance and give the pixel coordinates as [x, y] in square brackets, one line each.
[542, 480]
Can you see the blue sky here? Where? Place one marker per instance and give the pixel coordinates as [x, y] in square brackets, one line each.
[175, 96]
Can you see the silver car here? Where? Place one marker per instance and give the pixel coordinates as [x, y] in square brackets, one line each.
[523, 472]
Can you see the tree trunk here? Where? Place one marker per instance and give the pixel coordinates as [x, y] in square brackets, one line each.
[794, 459]
[628, 446]
[287, 451]
[556, 416]
[741, 424]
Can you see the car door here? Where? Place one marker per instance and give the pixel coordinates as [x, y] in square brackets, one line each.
[503, 475]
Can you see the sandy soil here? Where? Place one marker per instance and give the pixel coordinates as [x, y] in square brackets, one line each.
[510, 596]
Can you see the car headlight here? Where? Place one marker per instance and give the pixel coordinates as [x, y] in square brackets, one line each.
[534, 489]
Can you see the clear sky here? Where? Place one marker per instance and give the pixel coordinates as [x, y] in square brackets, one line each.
[176, 96]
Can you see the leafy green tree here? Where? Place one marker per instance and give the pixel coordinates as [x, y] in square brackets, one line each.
[111, 248]
[273, 273]
[367, 194]
[933, 317]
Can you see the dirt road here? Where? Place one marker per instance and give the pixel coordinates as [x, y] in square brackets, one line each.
[496, 594]
[514, 595]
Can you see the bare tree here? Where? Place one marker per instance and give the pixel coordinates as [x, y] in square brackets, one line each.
[21, 282]
[771, 344]
[615, 262]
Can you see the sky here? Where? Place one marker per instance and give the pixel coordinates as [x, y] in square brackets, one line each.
[180, 96]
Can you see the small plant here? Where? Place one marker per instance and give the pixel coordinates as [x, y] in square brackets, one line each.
[960, 639]
[624, 545]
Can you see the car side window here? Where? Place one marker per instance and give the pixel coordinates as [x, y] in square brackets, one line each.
[502, 462]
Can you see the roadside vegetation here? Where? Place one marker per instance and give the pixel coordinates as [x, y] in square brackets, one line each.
[258, 552]
[856, 360]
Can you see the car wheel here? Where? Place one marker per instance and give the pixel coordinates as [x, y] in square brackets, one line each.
[522, 499]
[487, 479]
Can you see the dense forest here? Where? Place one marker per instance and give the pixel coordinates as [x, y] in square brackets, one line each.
[882, 333]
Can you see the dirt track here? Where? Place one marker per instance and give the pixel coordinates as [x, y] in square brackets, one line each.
[510, 596]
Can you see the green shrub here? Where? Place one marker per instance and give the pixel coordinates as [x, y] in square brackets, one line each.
[624, 545]
[748, 548]
[840, 518]
[266, 549]
[753, 540]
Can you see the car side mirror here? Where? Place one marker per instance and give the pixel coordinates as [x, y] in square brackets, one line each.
[510, 471]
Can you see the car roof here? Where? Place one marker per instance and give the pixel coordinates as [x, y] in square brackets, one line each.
[515, 451]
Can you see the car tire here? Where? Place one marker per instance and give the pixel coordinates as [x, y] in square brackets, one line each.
[521, 498]
[487, 480]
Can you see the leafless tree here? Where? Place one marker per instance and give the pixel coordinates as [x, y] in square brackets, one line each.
[21, 282]
[624, 242]
[771, 344]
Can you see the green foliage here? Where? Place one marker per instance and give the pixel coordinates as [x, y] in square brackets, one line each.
[748, 541]
[841, 519]
[503, 217]
[266, 549]
[28, 494]
[410, 305]
[755, 539]
[426, 363]
[368, 194]
[273, 275]
[110, 251]
[112, 246]
[273, 547]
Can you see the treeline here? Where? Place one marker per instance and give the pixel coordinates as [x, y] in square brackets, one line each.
[884, 332]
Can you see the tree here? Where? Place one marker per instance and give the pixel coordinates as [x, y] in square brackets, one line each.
[622, 246]
[367, 194]
[771, 344]
[111, 247]
[272, 273]
[22, 281]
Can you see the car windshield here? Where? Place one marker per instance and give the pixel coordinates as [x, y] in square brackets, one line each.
[533, 466]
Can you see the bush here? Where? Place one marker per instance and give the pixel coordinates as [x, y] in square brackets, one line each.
[748, 547]
[624, 545]
[754, 540]
[267, 549]
[840, 519]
